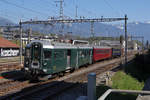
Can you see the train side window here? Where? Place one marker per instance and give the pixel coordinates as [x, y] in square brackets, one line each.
[83, 54]
[59, 54]
[69, 53]
[47, 54]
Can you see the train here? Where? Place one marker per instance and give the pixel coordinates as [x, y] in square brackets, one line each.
[44, 58]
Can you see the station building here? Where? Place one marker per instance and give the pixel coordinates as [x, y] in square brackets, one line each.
[7, 48]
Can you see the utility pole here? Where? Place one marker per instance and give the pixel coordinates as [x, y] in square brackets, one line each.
[143, 45]
[126, 40]
[92, 30]
[91, 21]
[62, 28]
[61, 8]
[20, 28]
[76, 11]
[29, 35]
[61, 16]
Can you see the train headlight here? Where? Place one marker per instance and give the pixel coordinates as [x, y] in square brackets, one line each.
[45, 64]
[45, 70]
[27, 62]
[26, 68]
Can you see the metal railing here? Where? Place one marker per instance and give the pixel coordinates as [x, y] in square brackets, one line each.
[122, 91]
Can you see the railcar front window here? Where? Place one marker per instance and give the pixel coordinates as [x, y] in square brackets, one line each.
[36, 51]
[36, 55]
[27, 53]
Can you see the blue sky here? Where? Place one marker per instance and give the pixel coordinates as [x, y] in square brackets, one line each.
[137, 10]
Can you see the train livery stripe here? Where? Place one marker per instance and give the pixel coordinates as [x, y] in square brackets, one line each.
[1, 77]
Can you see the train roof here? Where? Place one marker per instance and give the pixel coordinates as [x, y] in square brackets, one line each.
[102, 47]
[57, 45]
[110, 43]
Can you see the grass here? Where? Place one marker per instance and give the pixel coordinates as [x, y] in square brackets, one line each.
[132, 78]
[128, 80]
[124, 81]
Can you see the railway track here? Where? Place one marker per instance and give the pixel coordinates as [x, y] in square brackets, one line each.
[57, 85]
[9, 67]
[9, 63]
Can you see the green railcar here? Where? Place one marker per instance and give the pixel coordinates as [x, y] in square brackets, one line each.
[45, 58]
[61, 59]
[84, 55]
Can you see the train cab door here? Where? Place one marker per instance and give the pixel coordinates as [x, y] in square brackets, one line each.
[47, 58]
[90, 54]
[68, 58]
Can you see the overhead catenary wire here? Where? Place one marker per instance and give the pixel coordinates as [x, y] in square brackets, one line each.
[27, 9]
[118, 12]
[12, 14]
[8, 16]
[47, 1]
[48, 5]
[66, 11]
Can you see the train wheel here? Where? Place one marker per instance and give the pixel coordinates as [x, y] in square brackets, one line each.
[61, 74]
[34, 79]
[26, 76]
[86, 65]
[72, 70]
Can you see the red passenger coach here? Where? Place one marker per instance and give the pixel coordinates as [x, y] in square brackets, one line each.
[100, 53]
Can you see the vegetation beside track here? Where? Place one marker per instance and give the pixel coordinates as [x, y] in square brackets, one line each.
[121, 80]
[132, 78]
[125, 81]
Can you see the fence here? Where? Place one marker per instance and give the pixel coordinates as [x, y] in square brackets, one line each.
[91, 90]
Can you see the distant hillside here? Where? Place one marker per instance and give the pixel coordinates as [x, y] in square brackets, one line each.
[100, 29]
[138, 29]
[4, 21]
[83, 29]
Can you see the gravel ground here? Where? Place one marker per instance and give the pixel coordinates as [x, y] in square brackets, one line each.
[81, 89]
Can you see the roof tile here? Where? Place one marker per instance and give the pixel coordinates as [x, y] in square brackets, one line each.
[4, 43]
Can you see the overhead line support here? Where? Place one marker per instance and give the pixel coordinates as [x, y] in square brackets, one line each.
[20, 27]
[74, 20]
